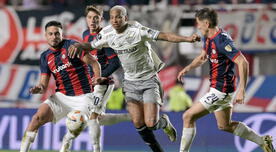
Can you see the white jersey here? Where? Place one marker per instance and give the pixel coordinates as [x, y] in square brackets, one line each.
[138, 59]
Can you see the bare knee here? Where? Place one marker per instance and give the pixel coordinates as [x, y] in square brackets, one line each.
[38, 120]
[188, 117]
[138, 123]
[150, 122]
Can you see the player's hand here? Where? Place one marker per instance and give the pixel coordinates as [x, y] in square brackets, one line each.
[240, 96]
[194, 38]
[38, 89]
[74, 50]
[98, 80]
[182, 73]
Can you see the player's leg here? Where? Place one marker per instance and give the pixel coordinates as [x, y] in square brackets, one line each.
[69, 103]
[136, 111]
[43, 115]
[152, 98]
[240, 129]
[109, 118]
[189, 126]
[101, 94]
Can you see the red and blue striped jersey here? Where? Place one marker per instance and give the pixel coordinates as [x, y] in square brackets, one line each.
[71, 75]
[221, 53]
[107, 57]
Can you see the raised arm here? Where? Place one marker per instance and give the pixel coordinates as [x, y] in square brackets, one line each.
[42, 86]
[198, 61]
[243, 68]
[77, 48]
[171, 37]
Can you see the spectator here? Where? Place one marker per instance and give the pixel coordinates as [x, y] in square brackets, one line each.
[179, 100]
[116, 99]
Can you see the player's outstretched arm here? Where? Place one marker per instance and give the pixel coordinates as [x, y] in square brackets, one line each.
[171, 37]
[198, 61]
[42, 86]
[243, 68]
[77, 48]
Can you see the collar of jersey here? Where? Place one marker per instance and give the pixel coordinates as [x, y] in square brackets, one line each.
[219, 31]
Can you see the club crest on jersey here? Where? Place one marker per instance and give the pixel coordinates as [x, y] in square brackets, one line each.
[214, 51]
[228, 48]
[63, 56]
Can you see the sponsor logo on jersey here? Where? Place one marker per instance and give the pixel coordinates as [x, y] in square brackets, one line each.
[62, 67]
[126, 50]
[214, 60]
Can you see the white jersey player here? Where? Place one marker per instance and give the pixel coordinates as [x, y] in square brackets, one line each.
[141, 86]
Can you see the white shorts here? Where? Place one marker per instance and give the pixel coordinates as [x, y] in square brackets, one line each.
[101, 95]
[62, 104]
[215, 100]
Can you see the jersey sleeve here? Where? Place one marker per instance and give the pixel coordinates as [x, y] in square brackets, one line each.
[204, 44]
[228, 49]
[100, 41]
[44, 68]
[148, 33]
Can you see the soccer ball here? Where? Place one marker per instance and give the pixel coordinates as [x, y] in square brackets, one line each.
[76, 121]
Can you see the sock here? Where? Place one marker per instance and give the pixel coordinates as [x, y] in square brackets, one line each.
[111, 118]
[149, 138]
[27, 140]
[67, 141]
[162, 123]
[247, 133]
[187, 138]
[95, 134]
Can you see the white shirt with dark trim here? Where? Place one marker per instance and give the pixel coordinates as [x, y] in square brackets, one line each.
[132, 48]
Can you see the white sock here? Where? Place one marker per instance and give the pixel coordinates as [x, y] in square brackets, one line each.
[67, 141]
[245, 132]
[95, 134]
[188, 135]
[111, 118]
[27, 140]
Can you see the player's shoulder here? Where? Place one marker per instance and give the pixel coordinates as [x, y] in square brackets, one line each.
[45, 53]
[86, 32]
[134, 24]
[224, 37]
[107, 30]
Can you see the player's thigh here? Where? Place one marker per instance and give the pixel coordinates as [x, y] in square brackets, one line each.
[45, 113]
[58, 109]
[151, 112]
[196, 111]
[136, 111]
[215, 100]
[153, 91]
[223, 117]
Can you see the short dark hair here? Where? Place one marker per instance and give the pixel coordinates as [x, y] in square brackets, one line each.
[93, 9]
[53, 23]
[208, 14]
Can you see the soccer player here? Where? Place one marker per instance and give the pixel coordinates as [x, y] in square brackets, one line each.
[142, 87]
[72, 78]
[222, 55]
[109, 62]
